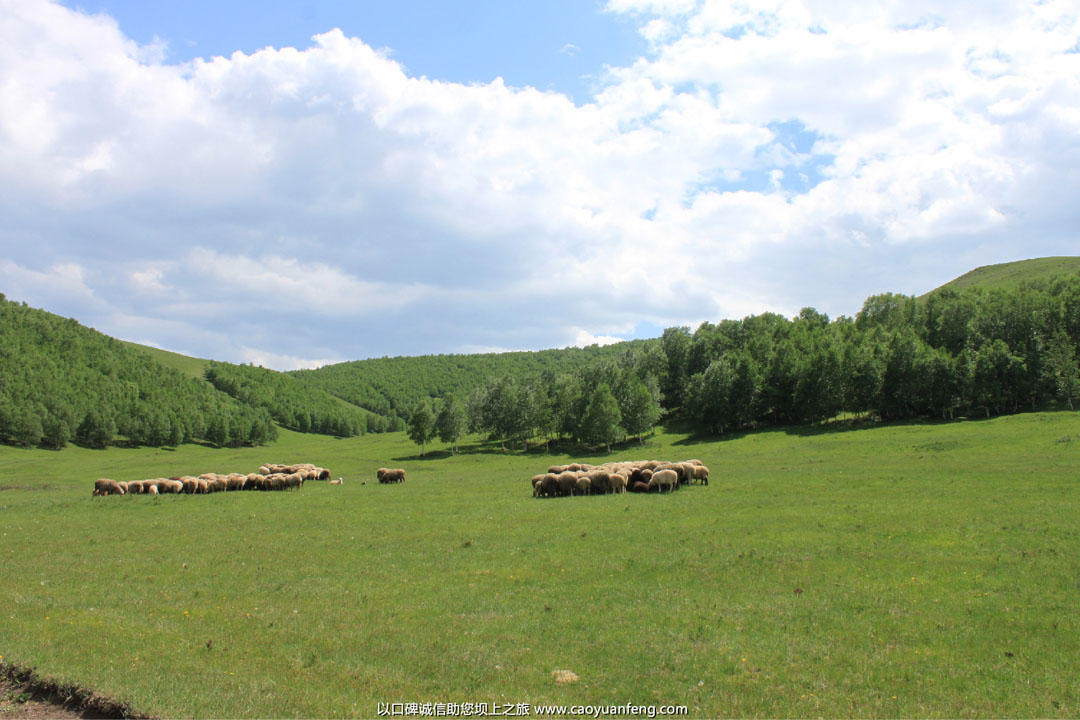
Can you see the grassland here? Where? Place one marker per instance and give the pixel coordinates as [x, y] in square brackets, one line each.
[938, 566]
[1009, 276]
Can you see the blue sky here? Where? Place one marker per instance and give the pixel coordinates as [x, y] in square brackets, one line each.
[295, 184]
[558, 45]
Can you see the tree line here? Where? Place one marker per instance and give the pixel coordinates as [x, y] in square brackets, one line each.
[967, 352]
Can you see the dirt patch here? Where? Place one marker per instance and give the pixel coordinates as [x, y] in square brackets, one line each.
[24, 695]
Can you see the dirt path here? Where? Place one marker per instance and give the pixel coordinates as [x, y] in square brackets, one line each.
[26, 696]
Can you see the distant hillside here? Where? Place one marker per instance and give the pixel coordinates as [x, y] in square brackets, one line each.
[392, 387]
[1009, 276]
[62, 381]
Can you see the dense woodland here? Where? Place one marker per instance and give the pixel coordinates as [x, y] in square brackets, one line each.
[292, 404]
[954, 352]
[62, 382]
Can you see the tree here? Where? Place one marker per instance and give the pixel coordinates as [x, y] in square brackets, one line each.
[639, 409]
[421, 425]
[1060, 368]
[600, 426]
[96, 430]
[451, 422]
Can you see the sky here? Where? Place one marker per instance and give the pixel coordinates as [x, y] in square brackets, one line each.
[301, 183]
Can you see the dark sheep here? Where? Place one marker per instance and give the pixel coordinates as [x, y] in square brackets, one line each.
[549, 485]
[639, 487]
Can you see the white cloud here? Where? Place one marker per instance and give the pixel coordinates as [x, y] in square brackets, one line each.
[290, 206]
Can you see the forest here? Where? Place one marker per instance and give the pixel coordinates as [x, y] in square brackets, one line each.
[955, 352]
[63, 382]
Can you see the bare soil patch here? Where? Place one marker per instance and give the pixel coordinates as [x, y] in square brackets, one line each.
[26, 696]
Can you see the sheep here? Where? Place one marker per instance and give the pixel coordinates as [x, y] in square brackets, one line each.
[277, 482]
[391, 475]
[567, 483]
[134, 487]
[618, 483]
[701, 474]
[202, 487]
[601, 481]
[584, 486]
[322, 474]
[105, 486]
[537, 484]
[123, 486]
[639, 487]
[339, 481]
[556, 469]
[191, 485]
[549, 485]
[664, 478]
[175, 486]
[380, 473]
[294, 481]
[152, 489]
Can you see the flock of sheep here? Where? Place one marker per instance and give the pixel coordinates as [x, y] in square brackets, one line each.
[269, 477]
[617, 477]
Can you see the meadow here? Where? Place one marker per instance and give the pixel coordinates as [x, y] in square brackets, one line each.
[901, 570]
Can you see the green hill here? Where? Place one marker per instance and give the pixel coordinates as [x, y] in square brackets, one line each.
[1008, 276]
[190, 366]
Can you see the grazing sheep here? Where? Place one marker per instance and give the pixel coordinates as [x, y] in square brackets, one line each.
[664, 478]
[601, 481]
[277, 482]
[123, 486]
[339, 481]
[322, 474]
[584, 486]
[134, 487]
[152, 489]
[567, 483]
[202, 487]
[380, 473]
[618, 483]
[639, 487]
[294, 481]
[701, 474]
[394, 475]
[105, 486]
[537, 484]
[550, 485]
[263, 470]
[556, 469]
[191, 485]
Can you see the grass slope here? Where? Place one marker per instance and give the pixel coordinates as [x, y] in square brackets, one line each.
[190, 366]
[1008, 276]
[937, 565]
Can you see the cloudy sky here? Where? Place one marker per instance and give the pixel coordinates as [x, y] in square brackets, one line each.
[300, 183]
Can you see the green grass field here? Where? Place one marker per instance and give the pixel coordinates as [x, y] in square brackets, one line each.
[939, 569]
[1009, 276]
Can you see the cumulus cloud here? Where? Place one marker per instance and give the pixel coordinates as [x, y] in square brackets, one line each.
[294, 206]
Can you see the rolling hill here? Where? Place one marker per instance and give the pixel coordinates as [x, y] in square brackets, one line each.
[1013, 274]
